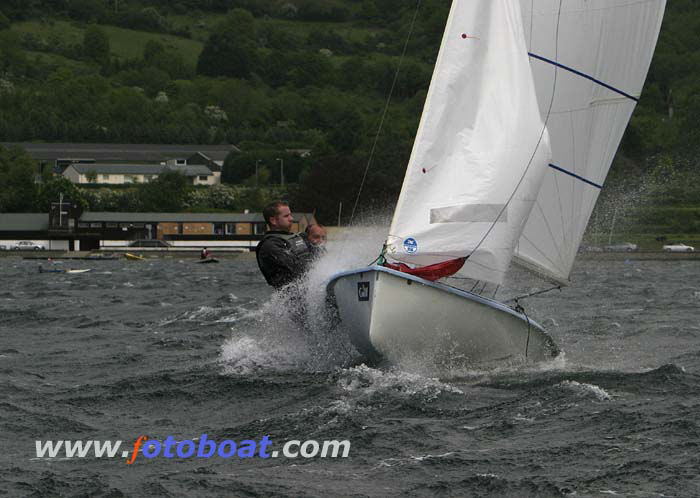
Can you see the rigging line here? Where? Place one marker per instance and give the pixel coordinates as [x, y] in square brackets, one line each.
[386, 110]
[573, 169]
[534, 152]
[556, 287]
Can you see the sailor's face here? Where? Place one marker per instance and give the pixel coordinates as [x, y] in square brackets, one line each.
[283, 220]
[317, 235]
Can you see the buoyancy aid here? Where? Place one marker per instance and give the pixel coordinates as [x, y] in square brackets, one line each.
[297, 247]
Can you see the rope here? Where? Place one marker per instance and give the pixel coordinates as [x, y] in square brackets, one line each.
[558, 287]
[386, 109]
[520, 309]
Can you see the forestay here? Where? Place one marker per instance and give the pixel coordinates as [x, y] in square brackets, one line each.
[481, 150]
[589, 59]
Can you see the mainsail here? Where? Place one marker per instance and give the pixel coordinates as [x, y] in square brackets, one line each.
[589, 59]
[481, 150]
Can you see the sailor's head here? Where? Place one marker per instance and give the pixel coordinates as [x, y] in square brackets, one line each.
[316, 234]
[278, 216]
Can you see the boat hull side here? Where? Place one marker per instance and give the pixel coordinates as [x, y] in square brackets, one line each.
[404, 316]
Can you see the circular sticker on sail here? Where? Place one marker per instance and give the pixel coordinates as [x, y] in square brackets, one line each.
[410, 245]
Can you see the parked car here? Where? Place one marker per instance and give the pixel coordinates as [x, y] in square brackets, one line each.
[155, 243]
[27, 245]
[624, 247]
[3, 247]
[678, 248]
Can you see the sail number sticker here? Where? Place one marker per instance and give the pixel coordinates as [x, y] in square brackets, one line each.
[363, 291]
[410, 245]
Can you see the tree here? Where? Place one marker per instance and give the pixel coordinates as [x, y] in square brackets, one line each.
[231, 48]
[52, 189]
[17, 187]
[96, 45]
[331, 180]
[167, 193]
[4, 21]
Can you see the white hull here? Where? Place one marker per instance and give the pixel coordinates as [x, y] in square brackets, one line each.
[395, 316]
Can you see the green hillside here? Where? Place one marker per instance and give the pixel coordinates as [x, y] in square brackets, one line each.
[270, 76]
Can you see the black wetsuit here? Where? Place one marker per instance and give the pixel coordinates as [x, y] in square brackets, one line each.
[282, 257]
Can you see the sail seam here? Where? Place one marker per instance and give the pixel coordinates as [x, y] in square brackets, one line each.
[583, 75]
[585, 180]
[553, 263]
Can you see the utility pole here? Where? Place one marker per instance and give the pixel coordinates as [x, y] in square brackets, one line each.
[281, 171]
[60, 210]
[340, 210]
[612, 226]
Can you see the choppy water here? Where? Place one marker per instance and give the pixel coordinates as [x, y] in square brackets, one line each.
[168, 347]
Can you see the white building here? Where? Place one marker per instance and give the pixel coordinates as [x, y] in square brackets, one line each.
[120, 174]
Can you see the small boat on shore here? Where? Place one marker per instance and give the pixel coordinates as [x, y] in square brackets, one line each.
[62, 270]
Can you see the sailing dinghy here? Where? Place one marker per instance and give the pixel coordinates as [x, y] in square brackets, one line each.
[526, 108]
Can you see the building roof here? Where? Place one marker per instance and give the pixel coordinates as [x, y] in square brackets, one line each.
[149, 153]
[192, 170]
[139, 169]
[96, 216]
[29, 222]
[118, 169]
[110, 217]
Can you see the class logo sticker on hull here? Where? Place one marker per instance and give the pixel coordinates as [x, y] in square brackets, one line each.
[410, 245]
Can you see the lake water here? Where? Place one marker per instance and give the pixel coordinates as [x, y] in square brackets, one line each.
[169, 347]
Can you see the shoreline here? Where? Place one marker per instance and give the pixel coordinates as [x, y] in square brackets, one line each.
[99, 256]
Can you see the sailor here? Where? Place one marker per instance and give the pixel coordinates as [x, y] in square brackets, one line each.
[282, 256]
[204, 254]
[315, 236]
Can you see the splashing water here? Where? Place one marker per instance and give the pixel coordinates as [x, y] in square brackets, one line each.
[294, 329]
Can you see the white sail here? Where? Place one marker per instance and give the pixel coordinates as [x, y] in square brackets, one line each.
[481, 150]
[589, 59]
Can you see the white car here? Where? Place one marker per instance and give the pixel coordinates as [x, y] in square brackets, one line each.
[678, 248]
[26, 245]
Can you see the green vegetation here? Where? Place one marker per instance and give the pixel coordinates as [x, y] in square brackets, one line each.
[304, 74]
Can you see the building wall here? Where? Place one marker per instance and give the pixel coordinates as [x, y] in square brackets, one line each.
[167, 229]
[108, 179]
[72, 175]
[197, 228]
[244, 228]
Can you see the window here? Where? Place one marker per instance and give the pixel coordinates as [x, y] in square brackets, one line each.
[259, 228]
[230, 228]
[202, 178]
[112, 225]
[96, 225]
[104, 178]
[218, 228]
[83, 225]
